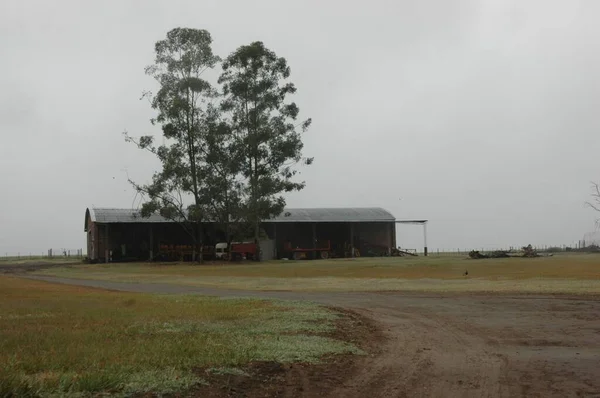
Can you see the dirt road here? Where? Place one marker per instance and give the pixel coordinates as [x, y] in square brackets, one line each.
[454, 345]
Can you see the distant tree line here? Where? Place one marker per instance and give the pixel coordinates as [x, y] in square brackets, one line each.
[231, 147]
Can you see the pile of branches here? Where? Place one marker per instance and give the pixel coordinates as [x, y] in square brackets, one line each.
[397, 252]
[499, 254]
[529, 251]
[475, 254]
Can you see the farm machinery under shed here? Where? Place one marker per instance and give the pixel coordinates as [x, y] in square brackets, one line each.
[324, 250]
[321, 250]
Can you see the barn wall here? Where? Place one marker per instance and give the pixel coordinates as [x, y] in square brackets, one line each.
[374, 238]
[267, 248]
[137, 241]
[102, 243]
[337, 233]
[130, 241]
[141, 241]
[92, 239]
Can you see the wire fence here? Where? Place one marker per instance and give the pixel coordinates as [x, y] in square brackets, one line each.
[592, 239]
[49, 254]
[576, 246]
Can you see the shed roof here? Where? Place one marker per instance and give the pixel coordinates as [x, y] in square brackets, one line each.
[355, 214]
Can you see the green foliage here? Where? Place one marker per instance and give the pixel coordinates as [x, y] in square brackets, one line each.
[99, 381]
[165, 381]
[255, 87]
[222, 193]
[227, 371]
[185, 118]
[230, 151]
[12, 385]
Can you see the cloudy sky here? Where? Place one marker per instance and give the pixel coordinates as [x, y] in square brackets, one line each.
[481, 116]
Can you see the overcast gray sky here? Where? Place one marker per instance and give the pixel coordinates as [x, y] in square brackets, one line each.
[481, 116]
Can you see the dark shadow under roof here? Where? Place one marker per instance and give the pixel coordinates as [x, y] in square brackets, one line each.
[354, 214]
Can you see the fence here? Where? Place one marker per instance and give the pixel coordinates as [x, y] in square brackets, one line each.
[591, 239]
[541, 249]
[45, 255]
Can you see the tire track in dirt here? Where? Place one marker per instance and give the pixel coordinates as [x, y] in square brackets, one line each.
[425, 356]
[457, 345]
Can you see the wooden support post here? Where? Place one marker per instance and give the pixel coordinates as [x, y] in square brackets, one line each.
[106, 245]
[352, 239]
[151, 243]
[425, 238]
[314, 239]
[388, 236]
[275, 241]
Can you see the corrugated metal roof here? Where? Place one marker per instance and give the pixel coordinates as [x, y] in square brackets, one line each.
[111, 216]
[412, 221]
[356, 214]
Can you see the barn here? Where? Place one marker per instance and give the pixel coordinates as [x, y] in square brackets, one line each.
[123, 235]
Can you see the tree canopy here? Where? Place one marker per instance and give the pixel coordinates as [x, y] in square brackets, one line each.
[263, 124]
[185, 116]
[231, 148]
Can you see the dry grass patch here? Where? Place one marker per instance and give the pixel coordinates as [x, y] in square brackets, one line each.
[39, 260]
[67, 340]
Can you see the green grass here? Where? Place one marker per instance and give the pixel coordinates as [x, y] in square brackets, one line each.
[71, 341]
[565, 273]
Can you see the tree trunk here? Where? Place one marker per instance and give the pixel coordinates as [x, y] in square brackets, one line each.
[256, 208]
[257, 239]
[228, 239]
[199, 242]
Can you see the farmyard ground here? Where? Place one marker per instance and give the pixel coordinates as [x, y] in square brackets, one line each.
[574, 274]
[432, 342]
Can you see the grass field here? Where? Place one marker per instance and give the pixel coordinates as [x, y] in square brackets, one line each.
[59, 340]
[565, 273]
[26, 260]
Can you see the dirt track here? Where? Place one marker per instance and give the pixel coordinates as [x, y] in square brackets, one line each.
[454, 345]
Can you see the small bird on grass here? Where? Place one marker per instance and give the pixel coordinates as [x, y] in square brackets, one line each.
[466, 273]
